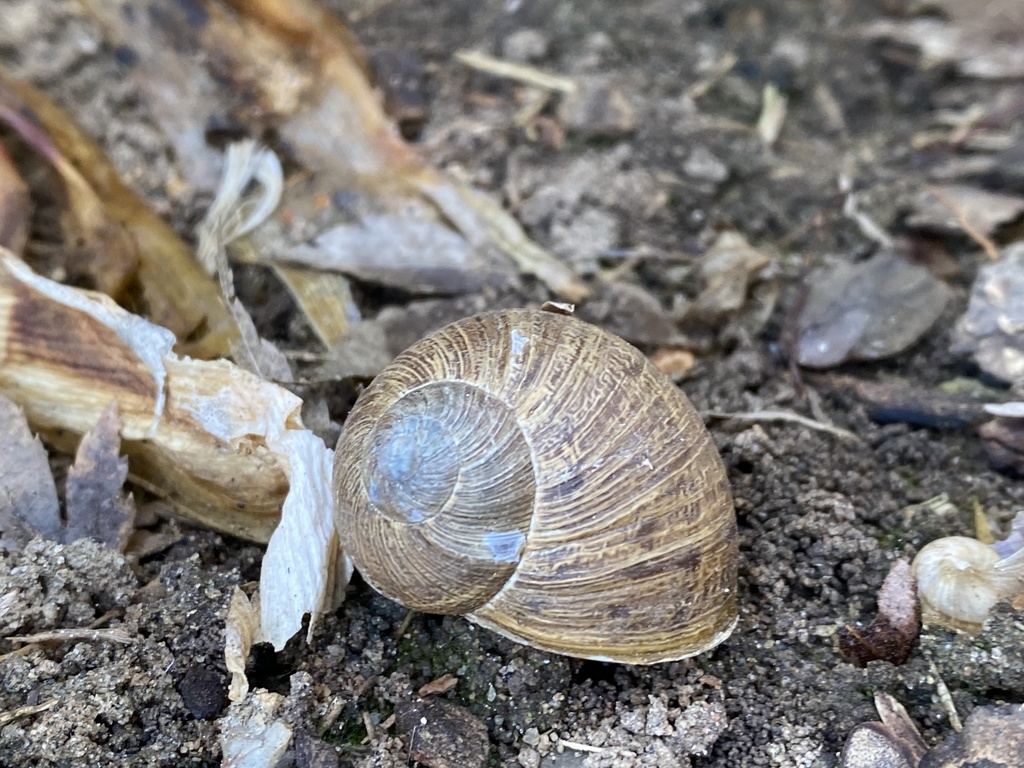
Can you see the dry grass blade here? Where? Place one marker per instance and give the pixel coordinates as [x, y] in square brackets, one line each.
[789, 416]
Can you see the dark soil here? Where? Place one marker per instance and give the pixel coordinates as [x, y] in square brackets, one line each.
[820, 519]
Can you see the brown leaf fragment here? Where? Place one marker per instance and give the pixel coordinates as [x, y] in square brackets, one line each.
[442, 684]
[890, 637]
[992, 737]
[28, 498]
[441, 734]
[14, 206]
[97, 506]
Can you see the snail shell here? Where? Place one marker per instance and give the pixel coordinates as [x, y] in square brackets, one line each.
[960, 579]
[539, 476]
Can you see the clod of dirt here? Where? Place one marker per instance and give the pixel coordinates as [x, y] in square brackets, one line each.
[599, 109]
[203, 691]
[442, 735]
[891, 635]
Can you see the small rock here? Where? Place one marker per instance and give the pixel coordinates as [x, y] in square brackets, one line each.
[992, 737]
[442, 735]
[598, 109]
[990, 330]
[204, 692]
[529, 757]
[1003, 442]
[702, 165]
[525, 45]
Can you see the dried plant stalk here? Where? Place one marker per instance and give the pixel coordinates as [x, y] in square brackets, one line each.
[203, 434]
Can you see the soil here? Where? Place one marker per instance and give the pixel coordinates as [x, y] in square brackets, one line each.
[820, 519]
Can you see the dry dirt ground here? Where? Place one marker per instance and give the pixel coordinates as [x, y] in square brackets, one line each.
[820, 519]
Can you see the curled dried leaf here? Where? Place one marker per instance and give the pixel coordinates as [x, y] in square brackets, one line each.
[890, 637]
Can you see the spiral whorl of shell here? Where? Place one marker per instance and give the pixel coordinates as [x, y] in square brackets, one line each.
[541, 476]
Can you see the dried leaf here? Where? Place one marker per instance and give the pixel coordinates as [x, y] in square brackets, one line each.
[178, 295]
[304, 569]
[232, 215]
[442, 684]
[867, 311]
[28, 498]
[891, 636]
[727, 271]
[893, 743]
[419, 257]
[294, 69]
[962, 208]
[240, 628]
[96, 504]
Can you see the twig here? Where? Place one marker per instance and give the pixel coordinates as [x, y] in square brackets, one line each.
[965, 223]
[83, 633]
[15, 714]
[518, 72]
[579, 747]
[795, 418]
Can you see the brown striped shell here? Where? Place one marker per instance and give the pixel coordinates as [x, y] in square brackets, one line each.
[541, 477]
